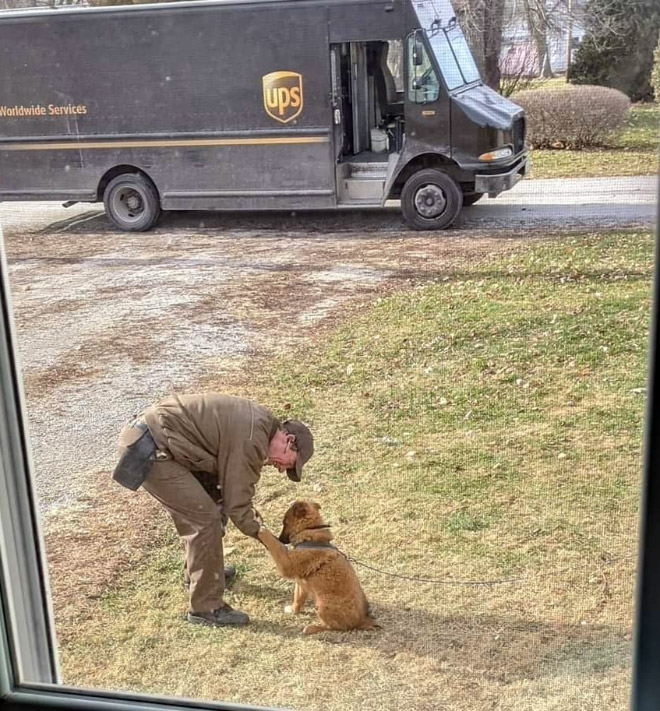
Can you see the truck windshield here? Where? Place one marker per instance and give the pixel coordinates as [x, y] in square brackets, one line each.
[438, 19]
[454, 57]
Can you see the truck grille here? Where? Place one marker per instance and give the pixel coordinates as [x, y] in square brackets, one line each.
[518, 135]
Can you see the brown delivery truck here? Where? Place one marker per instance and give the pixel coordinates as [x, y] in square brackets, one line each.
[259, 105]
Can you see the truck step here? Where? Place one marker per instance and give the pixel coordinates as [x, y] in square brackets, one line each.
[362, 189]
[369, 171]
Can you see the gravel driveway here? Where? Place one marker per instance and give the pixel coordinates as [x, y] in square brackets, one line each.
[108, 321]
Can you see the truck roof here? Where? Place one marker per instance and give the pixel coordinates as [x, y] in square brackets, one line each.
[159, 6]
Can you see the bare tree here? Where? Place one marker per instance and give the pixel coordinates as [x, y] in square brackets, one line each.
[483, 22]
[519, 70]
[548, 17]
[538, 22]
[493, 26]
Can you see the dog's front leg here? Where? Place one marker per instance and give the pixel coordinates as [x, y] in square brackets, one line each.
[279, 553]
[299, 598]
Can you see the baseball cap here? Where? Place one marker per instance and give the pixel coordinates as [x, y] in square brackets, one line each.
[304, 446]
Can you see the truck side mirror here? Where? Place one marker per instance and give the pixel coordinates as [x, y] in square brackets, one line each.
[417, 54]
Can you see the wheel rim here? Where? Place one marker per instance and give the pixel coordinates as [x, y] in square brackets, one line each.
[430, 201]
[128, 204]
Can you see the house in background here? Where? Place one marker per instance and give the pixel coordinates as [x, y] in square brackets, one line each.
[519, 55]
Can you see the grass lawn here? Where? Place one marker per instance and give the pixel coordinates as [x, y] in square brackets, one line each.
[482, 426]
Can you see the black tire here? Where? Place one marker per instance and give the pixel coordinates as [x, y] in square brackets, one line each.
[471, 198]
[431, 200]
[131, 202]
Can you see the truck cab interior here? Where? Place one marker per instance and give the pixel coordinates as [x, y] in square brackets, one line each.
[371, 86]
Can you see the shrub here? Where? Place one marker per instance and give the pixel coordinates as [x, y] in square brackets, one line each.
[617, 48]
[572, 117]
[655, 73]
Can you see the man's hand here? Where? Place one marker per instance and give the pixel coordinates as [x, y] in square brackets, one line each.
[260, 521]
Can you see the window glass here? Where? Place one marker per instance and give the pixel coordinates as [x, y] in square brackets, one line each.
[395, 62]
[447, 61]
[476, 394]
[423, 84]
[451, 49]
[463, 56]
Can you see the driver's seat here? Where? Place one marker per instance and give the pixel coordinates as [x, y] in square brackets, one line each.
[390, 101]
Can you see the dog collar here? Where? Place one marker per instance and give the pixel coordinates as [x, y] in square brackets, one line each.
[314, 544]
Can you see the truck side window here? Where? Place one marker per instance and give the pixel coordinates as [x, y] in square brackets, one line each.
[395, 62]
[423, 84]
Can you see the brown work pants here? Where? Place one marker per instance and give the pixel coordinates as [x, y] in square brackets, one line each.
[198, 521]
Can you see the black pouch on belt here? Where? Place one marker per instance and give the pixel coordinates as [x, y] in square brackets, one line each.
[137, 451]
[209, 483]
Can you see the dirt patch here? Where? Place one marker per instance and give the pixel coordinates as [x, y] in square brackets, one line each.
[108, 322]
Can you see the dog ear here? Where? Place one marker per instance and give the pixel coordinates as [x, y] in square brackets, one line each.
[316, 506]
[299, 509]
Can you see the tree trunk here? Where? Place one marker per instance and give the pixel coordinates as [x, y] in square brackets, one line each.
[537, 25]
[493, 24]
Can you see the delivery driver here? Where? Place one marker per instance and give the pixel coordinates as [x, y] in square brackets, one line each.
[229, 439]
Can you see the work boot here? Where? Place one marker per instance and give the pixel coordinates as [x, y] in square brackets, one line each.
[230, 574]
[224, 616]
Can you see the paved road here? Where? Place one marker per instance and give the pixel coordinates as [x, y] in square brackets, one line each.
[557, 202]
[574, 201]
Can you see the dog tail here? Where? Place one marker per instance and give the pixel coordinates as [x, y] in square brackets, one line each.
[368, 622]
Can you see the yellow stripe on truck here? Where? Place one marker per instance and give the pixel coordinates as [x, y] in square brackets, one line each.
[174, 143]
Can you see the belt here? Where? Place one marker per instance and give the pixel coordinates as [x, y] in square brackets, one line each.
[138, 421]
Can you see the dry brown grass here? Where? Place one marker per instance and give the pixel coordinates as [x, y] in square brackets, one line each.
[559, 640]
[92, 545]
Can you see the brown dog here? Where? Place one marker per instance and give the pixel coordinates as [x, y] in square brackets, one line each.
[319, 569]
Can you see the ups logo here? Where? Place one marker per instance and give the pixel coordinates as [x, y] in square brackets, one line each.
[283, 95]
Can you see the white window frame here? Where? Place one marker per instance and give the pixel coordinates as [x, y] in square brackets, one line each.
[23, 583]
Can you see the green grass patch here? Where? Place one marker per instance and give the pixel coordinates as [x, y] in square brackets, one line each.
[552, 83]
[524, 372]
[633, 152]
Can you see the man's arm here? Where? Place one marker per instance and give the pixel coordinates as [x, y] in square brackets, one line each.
[243, 472]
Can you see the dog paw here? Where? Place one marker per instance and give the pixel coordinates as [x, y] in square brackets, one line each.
[313, 629]
[290, 610]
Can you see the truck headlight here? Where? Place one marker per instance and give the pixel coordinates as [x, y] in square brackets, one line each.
[497, 154]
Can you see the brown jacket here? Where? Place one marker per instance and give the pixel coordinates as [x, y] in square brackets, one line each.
[222, 435]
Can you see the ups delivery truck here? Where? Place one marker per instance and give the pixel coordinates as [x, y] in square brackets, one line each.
[259, 105]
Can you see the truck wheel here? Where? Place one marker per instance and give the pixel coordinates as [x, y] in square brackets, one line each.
[131, 202]
[471, 198]
[431, 200]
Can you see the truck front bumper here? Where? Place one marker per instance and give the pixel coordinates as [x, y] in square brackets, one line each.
[495, 183]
